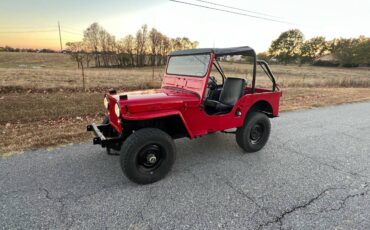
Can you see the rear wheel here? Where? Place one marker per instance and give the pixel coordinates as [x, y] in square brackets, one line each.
[254, 133]
[147, 155]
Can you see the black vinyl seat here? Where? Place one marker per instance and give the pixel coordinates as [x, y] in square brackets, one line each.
[232, 90]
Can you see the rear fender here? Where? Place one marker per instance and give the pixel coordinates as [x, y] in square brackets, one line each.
[266, 102]
[262, 106]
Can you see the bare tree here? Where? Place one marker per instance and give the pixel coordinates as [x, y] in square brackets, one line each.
[91, 38]
[129, 47]
[176, 43]
[146, 48]
[165, 48]
[155, 44]
[78, 53]
[103, 41]
[141, 42]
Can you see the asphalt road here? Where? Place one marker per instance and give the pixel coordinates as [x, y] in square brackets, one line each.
[313, 174]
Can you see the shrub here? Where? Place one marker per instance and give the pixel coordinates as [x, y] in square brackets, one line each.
[326, 63]
[350, 65]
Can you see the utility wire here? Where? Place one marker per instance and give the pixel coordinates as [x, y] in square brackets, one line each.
[232, 12]
[235, 8]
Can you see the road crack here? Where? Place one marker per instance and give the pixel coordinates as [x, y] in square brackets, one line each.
[348, 197]
[62, 215]
[317, 160]
[140, 214]
[238, 190]
[279, 219]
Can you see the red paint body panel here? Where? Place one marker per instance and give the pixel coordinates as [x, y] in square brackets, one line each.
[113, 119]
[183, 96]
[167, 99]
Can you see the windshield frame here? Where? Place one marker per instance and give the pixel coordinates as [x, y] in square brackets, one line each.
[189, 75]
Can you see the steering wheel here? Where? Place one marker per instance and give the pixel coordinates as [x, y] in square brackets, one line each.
[212, 82]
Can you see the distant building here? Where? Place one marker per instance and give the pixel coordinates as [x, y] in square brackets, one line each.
[327, 57]
[326, 60]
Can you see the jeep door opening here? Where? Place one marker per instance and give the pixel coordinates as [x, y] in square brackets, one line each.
[190, 103]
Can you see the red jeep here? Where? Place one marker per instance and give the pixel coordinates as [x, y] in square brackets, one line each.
[191, 103]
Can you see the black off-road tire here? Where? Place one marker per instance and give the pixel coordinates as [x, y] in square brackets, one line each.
[246, 137]
[136, 149]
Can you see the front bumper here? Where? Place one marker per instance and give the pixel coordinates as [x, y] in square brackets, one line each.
[101, 133]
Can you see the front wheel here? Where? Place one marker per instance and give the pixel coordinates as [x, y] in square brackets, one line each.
[147, 155]
[254, 133]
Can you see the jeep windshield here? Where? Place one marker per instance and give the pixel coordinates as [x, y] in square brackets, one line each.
[189, 65]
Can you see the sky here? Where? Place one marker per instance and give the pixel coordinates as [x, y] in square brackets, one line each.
[33, 23]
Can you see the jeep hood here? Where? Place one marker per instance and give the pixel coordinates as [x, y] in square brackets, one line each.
[154, 100]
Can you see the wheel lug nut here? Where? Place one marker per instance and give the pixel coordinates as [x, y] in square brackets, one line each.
[151, 158]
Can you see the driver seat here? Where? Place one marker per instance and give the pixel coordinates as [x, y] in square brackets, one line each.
[232, 90]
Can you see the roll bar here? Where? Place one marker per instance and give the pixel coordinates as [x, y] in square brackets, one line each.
[265, 67]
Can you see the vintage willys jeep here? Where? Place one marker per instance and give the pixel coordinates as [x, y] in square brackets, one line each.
[190, 103]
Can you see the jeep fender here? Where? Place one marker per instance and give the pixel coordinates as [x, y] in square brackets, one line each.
[158, 115]
[262, 106]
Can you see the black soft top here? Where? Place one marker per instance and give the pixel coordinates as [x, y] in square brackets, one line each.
[243, 50]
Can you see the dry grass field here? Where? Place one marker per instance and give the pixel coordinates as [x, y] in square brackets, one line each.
[42, 102]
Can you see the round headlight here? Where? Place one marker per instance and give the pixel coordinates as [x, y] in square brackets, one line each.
[117, 110]
[106, 102]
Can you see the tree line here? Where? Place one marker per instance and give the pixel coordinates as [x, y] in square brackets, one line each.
[27, 50]
[99, 48]
[291, 47]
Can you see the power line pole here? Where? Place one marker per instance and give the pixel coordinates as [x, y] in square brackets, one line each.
[60, 38]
